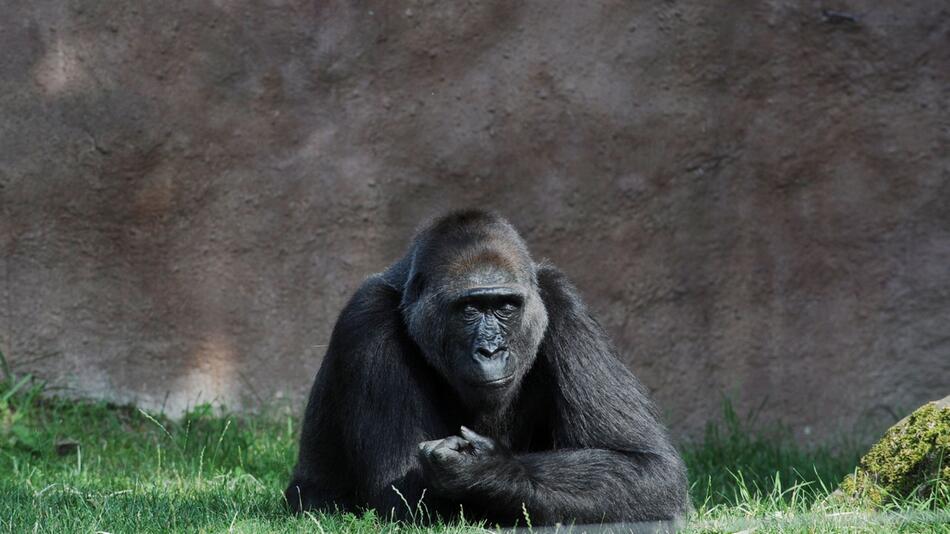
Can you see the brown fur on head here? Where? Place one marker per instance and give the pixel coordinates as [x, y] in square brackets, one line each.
[458, 243]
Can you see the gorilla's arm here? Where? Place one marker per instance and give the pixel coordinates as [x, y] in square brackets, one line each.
[611, 461]
[367, 411]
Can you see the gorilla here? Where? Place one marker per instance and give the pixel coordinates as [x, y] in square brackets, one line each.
[468, 379]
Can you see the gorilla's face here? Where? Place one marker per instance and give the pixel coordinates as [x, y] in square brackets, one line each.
[489, 344]
[493, 325]
[482, 333]
[483, 326]
[471, 304]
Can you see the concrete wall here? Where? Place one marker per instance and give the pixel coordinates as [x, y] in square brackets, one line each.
[754, 199]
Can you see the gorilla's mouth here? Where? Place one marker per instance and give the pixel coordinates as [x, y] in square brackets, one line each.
[497, 383]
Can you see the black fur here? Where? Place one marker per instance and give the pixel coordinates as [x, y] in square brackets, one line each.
[572, 438]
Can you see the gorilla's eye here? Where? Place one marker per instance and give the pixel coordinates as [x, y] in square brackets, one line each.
[470, 312]
[506, 311]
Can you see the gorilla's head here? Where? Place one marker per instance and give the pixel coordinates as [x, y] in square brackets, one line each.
[471, 304]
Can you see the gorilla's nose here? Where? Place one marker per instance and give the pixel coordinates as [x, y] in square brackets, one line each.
[491, 352]
[492, 364]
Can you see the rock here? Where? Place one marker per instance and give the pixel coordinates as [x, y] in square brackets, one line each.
[911, 460]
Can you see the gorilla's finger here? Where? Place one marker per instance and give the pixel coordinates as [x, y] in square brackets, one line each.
[476, 439]
[426, 447]
[456, 443]
[450, 449]
[423, 445]
[444, 453]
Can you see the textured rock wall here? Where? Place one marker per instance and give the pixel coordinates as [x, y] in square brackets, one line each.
[754, 199]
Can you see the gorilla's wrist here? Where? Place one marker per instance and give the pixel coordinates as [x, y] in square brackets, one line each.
[502, 477]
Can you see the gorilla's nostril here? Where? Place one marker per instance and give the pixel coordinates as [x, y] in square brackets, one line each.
[489, 353]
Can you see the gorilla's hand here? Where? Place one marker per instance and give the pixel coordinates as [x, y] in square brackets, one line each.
[455, 464]
[446, 464]
[481, 446]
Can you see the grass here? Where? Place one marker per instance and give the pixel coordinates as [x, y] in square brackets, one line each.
[76, 466]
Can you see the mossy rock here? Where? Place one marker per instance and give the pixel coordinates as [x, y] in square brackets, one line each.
[912, 460]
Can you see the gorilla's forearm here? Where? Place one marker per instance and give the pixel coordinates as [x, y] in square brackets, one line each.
[581, 486]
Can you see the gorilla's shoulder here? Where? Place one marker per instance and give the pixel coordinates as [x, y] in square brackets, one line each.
[556, 289]
[374, 295]
[374, 307]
